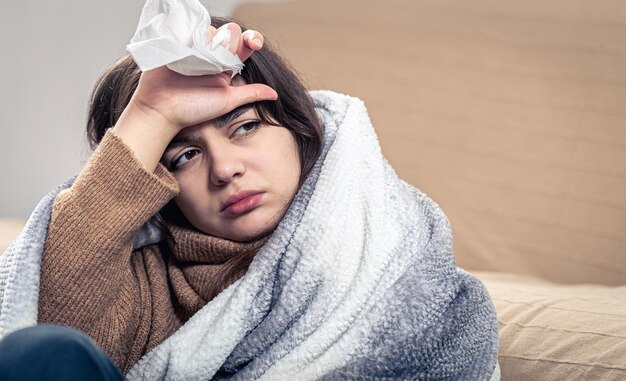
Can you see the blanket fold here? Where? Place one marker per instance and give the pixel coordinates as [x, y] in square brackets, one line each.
[358, 281]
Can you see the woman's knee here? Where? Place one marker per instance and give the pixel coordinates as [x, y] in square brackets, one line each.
[53, 352]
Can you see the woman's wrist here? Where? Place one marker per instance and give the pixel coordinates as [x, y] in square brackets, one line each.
[146, 133]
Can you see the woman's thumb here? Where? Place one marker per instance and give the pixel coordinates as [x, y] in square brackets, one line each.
[250, 93]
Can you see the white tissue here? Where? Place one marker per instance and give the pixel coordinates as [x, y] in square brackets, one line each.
[175, 33]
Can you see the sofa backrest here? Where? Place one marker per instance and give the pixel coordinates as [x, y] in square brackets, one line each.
[510, 114]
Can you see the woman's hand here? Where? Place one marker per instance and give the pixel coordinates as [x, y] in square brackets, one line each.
[183, 101]
[165, 101]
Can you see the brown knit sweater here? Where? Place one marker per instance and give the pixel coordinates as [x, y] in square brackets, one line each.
[91, 279]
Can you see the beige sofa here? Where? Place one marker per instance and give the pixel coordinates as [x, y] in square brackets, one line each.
[512, 116]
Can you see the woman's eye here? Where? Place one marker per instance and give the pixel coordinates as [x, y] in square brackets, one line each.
[184, 158]
[247, 128]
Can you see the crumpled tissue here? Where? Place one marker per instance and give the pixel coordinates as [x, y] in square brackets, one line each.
[174, 33]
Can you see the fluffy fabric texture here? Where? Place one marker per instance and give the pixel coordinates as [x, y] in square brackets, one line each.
[358, 281]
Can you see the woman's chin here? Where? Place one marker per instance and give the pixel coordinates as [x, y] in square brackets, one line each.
[247, 229]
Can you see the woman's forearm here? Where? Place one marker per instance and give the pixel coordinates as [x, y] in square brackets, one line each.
[87, 253]
[146, 133]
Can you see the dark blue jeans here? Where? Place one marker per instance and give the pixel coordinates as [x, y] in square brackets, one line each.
[50, 352]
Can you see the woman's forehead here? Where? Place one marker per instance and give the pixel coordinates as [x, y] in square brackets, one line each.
[191, 133]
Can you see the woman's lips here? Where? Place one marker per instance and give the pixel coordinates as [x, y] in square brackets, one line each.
[244, 205]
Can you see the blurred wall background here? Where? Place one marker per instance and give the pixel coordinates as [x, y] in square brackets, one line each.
[53, 52]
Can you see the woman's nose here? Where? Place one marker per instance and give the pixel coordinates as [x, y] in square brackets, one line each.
[225, 166]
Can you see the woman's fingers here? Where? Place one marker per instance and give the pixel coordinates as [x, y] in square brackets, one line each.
[211, 33]
[235, 35]
[241, 44]
[253, 39]
[250, 41]
[255, 92]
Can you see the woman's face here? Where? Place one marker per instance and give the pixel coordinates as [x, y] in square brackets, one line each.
[234, 157]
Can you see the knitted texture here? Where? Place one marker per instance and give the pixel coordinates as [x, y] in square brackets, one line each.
[357, 281]
[89, 280]
[127, 300]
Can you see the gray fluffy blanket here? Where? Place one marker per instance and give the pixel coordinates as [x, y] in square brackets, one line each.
[357, 282]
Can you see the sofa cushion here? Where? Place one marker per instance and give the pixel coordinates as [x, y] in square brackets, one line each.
[509, 114]
[558, 332]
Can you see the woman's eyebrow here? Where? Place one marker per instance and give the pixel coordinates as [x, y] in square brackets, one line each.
[220, 122]
[230, 116]
[181, 141]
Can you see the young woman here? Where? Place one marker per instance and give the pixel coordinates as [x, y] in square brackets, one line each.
[239, 228]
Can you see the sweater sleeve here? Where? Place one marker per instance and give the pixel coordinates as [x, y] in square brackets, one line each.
[87, 276]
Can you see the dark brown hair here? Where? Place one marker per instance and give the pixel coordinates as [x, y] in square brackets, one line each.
[293, 110]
